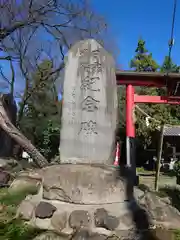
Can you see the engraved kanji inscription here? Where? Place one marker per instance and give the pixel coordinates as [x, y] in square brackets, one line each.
[88, 127]
[89, 68]
[87, 83]
[96, 56]
[90, 104]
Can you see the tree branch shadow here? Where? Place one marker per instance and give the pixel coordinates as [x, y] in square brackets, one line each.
[139, 215]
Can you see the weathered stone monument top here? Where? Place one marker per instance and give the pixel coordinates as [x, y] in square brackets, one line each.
[89, 113]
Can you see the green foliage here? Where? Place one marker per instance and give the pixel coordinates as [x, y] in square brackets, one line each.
[13, 198]
[41, 119]
[50, 135]
[143, 62]
[12, 227]
[177, 168]
[169, 66]
[177, 234]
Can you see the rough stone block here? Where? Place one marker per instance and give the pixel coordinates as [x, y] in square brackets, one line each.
[89, 111]
[102, 219]
[44, 210]
[59, 220]
[25, 210]
[79, 218]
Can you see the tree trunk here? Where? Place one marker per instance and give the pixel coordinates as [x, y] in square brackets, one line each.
[17, 136]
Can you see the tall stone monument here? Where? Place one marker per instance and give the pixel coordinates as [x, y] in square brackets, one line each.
[89, 114]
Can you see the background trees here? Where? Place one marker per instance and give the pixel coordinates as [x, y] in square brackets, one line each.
[41, 117]
[34, 39]
[143, 61]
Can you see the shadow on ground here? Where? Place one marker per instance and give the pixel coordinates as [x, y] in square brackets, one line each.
[139, 215]
[173, 193]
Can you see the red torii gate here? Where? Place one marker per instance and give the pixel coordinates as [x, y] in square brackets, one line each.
[149, 79]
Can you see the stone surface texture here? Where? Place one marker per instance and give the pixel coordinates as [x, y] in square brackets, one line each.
[4, 178]
[99, 208]
[104, 220]
[59, 220]
[83, 184]
[160, 211]
[26, 210]
[26, 180]
[89, 112]
[79, 218]
[50, 236]
[44, 210]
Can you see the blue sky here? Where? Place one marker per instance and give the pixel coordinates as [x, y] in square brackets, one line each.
[151, 20]
[129, 20]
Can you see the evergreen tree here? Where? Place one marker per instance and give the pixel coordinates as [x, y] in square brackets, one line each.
[169, 66]
[143, 62]
[41, 119]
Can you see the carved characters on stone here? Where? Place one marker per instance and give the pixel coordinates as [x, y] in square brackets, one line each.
[88, 127]
[90, 67]
[89, 112]
[90, 104]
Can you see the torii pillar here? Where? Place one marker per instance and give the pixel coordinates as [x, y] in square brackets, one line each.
[130, 128]
[148, 79]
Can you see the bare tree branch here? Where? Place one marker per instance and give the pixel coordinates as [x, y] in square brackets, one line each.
[31, 31]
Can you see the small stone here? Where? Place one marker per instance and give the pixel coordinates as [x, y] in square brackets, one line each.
[4, 178]
[111, 222]
[44, 210]
[97, 237]
[101, 231]
[127, 235]
[44, 224]
[25, 210]
[100, 216]
[67, 231]
[102, 219]
[82, 234]
[79, 218]
[50, 236]
[59, 220]
[166, 200]
[3, 163]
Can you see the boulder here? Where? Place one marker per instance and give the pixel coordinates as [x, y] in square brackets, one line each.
[26, 180]
[160, 211]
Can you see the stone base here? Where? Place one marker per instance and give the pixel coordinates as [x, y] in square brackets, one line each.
[92, 198]
[75, 196]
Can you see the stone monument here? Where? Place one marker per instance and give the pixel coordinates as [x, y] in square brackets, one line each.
[89, 114]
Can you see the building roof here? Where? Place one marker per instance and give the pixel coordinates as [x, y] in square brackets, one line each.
[172, 131]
